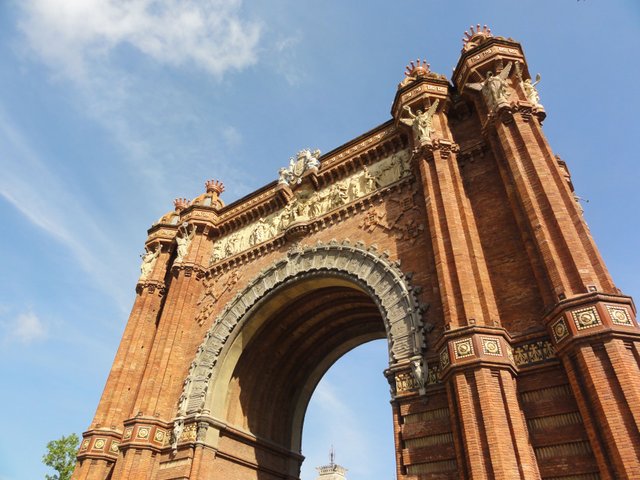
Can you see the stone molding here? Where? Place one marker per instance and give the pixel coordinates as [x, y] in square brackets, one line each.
[100, 443]
[373, 271]
[591, 316]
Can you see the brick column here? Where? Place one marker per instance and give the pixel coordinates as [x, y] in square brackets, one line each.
[465, 288]
[101, 443]
[598, 339]
[492, 440]
[149, 425]
[542, 195]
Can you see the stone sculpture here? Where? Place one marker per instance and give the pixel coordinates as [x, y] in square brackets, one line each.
[494, 88]
[148, 262]
[183, 241]
[421, 122]
[305, 160]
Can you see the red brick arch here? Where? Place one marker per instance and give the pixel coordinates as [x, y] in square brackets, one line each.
[365, 268]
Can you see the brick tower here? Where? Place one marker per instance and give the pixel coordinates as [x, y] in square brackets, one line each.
[451, 230]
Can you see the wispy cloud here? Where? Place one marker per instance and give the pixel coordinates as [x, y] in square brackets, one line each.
[44, 199]
[208, 34]
[112, 54]
[26, 328]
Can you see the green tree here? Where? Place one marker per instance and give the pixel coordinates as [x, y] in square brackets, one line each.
[61, 456]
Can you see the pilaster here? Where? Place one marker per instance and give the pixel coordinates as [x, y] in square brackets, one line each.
[598, 340]
[537, 184]
[101, 443]
[492, 439]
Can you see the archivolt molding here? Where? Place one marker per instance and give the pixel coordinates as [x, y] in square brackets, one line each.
[389, 287]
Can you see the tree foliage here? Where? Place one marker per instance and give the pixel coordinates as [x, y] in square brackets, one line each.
[61, 456]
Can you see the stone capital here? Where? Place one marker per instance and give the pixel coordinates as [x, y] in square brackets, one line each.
[475, 346]
[589, 318]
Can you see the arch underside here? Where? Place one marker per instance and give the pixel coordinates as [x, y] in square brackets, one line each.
[267, 350]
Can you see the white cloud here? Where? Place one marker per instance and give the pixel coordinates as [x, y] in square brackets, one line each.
[25, 328]
[69, 34]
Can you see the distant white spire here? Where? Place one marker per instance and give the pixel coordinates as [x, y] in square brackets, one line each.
[333, 471]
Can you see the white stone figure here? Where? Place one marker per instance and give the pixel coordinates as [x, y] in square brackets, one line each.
[339, 195]
[530, 90]
[354, 188]
[284, 176]
[259, 233]
[421, 122]
[298, 166]
[494, 88]
[313, 159]
[285, 217]
[184, 241]
[176, 433]
[231, 247]
[217, 253]
[370, 182]
[148, 262]
[418, 373]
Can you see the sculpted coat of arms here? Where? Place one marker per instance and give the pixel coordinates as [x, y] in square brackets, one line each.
[305, 160]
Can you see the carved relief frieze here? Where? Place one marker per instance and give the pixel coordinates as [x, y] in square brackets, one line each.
[214, 289]
[309, 204]
[406, 225]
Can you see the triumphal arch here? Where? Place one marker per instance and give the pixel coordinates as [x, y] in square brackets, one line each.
[452, 230]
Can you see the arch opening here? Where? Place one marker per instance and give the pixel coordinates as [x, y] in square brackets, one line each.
[254, 374]
[349, 411]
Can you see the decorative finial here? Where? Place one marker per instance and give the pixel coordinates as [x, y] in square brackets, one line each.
[180, 204]
[417, 68]
[476, 37]
[332, 456]
[214, 186]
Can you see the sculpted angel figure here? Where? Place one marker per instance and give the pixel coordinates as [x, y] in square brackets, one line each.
[184, 241]
[530, 90]
[494, 88]
[284, 176]
[370, 182]
[148, 262]
[421, 122]
[313, 159]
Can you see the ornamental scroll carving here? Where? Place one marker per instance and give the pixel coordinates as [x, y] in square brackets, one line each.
[388, 286]
[308, 204]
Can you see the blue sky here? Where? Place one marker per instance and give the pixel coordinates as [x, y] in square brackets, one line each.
[109, 110]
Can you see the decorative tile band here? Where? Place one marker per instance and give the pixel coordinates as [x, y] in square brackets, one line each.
[619, 315]
[533, 353]
[559, 330]
[101, 443]
[491, 346]
[586, 318]
[463, 348]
